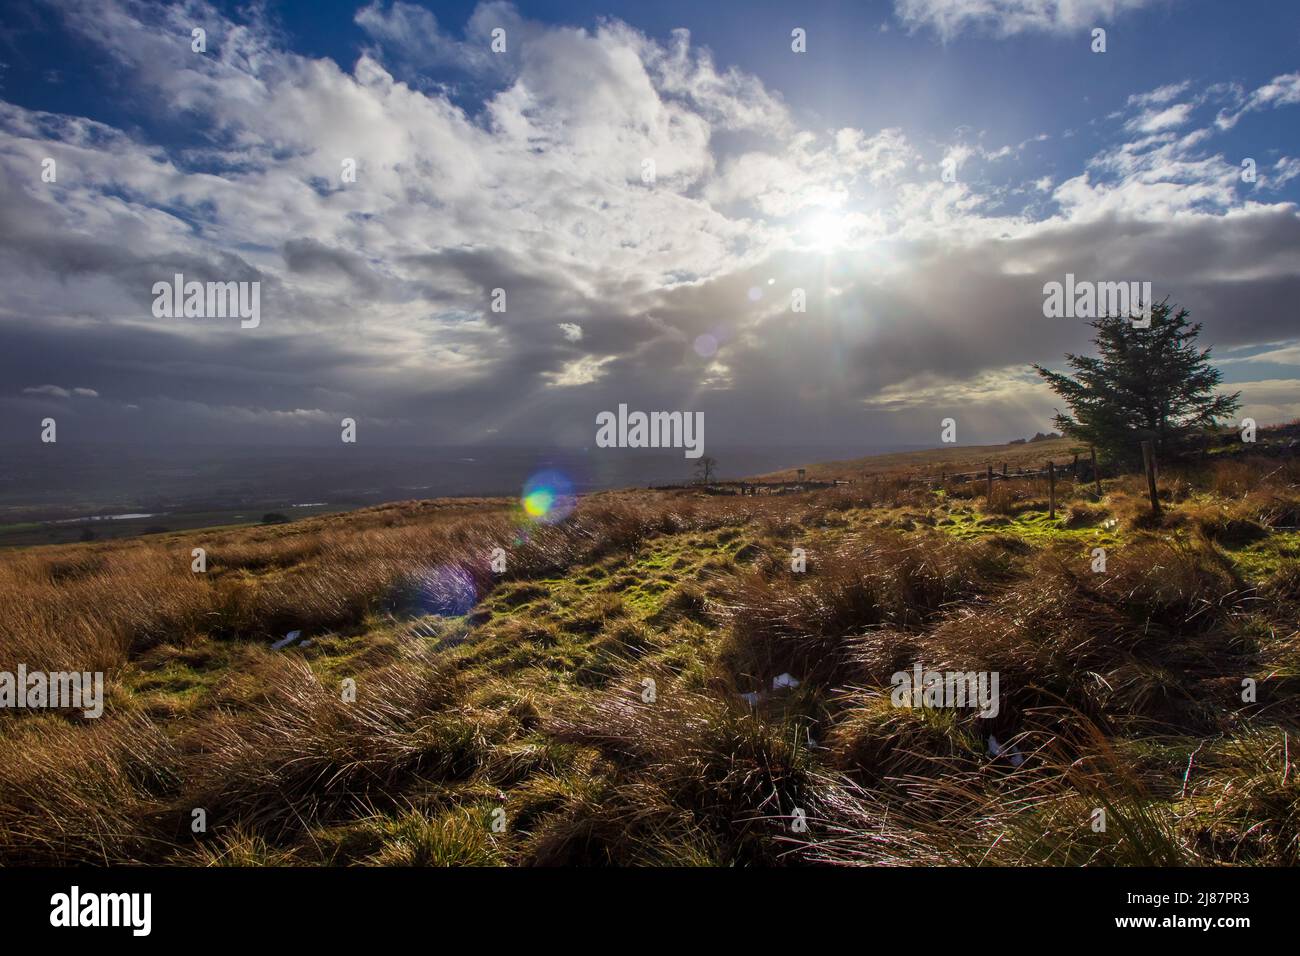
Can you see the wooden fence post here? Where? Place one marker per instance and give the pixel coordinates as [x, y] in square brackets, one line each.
[1096, 475]
[1149, 463]
[1051, 490]
[1074, 469]
[1004, 469]
[990, 480]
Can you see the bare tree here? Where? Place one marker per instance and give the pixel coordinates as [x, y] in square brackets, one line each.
[705, 469]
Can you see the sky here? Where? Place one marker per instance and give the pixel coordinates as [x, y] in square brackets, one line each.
[776, 173]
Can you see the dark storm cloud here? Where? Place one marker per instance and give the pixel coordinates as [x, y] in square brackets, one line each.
[309, 256]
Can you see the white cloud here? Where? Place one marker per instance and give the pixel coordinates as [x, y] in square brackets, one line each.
[1287, 355]
[56, 391]
[1282, 90]
[1284, 170]
[948, 18]
[1160, 95]
[1268, 401]
[810, 174]
[581, 371]
[1154, 120]
[1006, 385]
[411, 33]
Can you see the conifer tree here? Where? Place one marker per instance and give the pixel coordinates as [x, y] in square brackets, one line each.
[1145, 384]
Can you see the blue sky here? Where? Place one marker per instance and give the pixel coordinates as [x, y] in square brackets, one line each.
[818, 171]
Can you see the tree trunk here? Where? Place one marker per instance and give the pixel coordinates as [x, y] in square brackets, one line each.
[1149, 463]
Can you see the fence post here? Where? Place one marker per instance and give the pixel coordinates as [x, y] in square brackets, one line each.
[990, 481]
[1096, 475]
[1149, 463]
[1051, 490]
[1074, 469]
[1004, 469]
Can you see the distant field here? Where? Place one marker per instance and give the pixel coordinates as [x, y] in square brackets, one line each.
[951, 459]
[933, 461]
[967, 458]
[67, 532]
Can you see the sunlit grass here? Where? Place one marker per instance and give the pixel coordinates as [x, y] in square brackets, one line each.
[591, 692]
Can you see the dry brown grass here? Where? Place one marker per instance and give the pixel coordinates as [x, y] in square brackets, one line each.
[84, 793]
[301, 754]
[522, 691]
[803, 623]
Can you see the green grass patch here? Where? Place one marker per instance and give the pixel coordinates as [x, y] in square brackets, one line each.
[1262, 559]
[1033, 527]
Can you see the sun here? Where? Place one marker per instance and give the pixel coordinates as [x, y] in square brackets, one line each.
[826, 231]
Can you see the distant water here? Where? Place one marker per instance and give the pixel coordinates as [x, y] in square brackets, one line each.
[126, 517]
[61, 482]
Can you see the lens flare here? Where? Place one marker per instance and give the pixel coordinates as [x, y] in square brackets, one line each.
[538, 503]
[548, 497]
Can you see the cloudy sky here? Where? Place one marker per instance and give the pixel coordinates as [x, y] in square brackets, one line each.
[525, 170]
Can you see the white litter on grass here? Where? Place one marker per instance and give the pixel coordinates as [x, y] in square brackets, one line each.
[306, 643]
[286, 640]
[751, 698]
[782, 681]
[1013, 753]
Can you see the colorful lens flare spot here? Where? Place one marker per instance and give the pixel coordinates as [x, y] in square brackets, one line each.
[548, 497]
